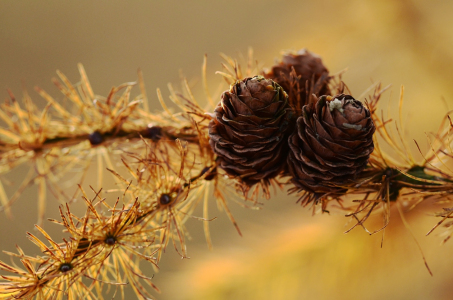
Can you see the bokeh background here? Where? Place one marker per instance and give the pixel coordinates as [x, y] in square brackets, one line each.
[285, 252]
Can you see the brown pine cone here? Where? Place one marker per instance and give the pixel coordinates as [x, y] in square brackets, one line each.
[248, 130]
[331, 144]
[310, 77]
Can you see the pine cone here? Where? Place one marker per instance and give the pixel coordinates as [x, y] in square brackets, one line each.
[331, 145]
[310, 77]
[248, 130]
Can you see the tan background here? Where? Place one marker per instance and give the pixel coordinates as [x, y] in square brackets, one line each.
[285, 252]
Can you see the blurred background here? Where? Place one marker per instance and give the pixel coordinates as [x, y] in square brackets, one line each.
[285, 252]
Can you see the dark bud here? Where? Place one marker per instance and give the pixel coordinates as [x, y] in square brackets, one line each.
[153, 132]
[110, 240]
[388, 173]
[95, 138]
[65, 267]
[165, 199]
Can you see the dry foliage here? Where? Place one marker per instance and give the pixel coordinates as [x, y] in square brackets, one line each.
[164, 168]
